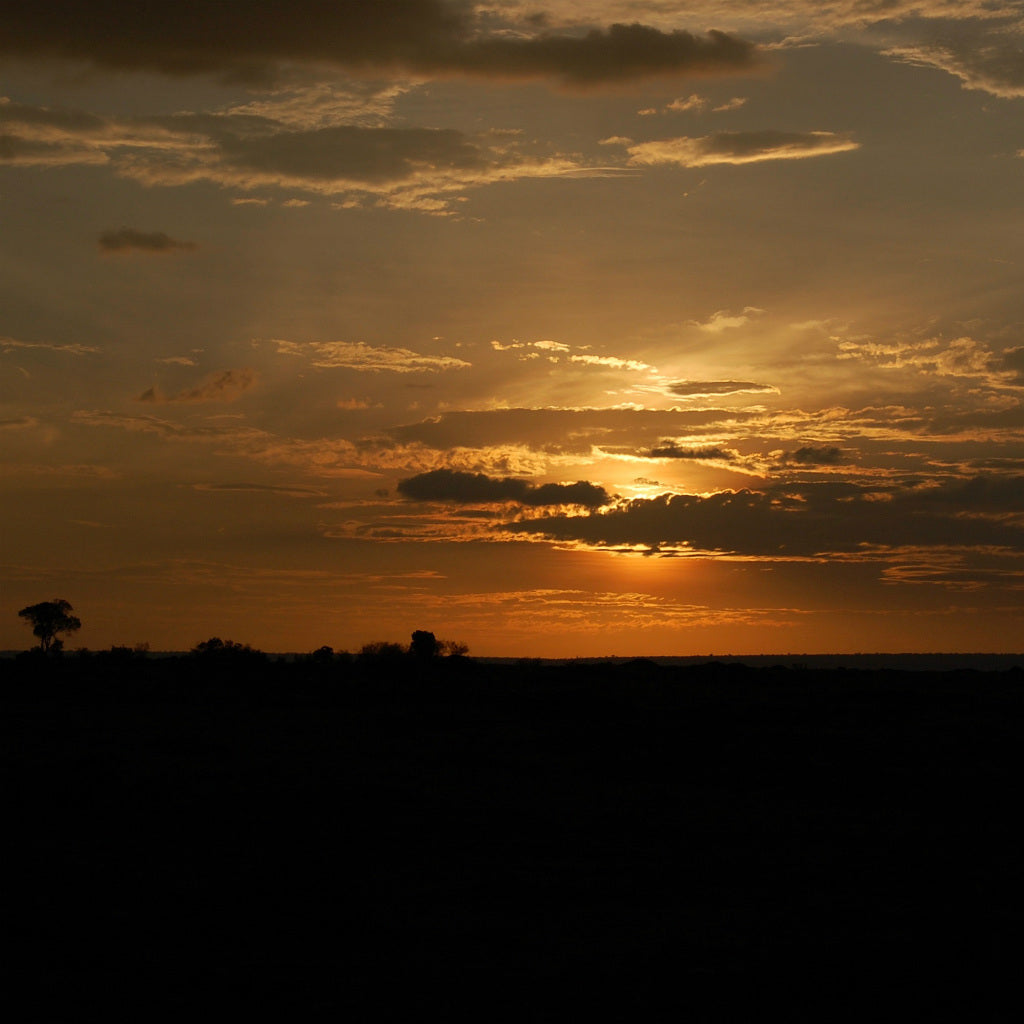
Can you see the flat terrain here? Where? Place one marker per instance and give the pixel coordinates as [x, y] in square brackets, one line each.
[511, 841]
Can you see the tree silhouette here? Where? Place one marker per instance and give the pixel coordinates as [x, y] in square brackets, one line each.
[215, 648]
[381, 651]
[424, 645]
[48, 618]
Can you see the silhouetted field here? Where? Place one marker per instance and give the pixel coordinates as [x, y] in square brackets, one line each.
[511, 841]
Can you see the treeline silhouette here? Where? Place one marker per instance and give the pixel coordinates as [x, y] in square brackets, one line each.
[424, 647]
[385, 834]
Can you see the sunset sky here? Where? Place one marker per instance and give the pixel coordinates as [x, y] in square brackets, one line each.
[560, 328]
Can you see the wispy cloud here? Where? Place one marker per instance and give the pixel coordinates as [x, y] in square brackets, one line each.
[556, 431]
[11, 345]
[740, 148]
[723, 320]
[355, 355]
[400, 167]
[560, 352]
[286, 492]
[697, 104]
[178, 360]
[962, 357]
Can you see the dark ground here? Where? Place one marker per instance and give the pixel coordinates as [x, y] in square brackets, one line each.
[511, 842]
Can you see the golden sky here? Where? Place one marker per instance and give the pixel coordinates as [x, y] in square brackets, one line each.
[562, 329]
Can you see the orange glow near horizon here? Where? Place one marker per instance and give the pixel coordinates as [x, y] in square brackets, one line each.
[696, 358]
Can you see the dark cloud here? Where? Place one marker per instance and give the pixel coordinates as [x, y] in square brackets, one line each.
[352, 153]
[670, 450]
[1013, 362]
[230, 37]
[14, 148]
[619, 53]
[248, 42]
[710, 388]
[128, 239]
[811, 456]
[286, 492]
[976, 422]
[25, 116]
[457, 486]
[805, 522]
[224, 386]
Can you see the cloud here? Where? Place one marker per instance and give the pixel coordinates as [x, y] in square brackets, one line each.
[740, 148]
[9, 345]
[807, 521]
[808, 455]
[349, 153]
[358, 356]
[405, 168]
[710, 388]
[127, 239]
[39, 136]
[612, 362]
[428, 37]
[224, 386]
[178, 360]
[556, 351]
[456, 486]
[697, 104]
[287, 492]
[400, 167]
[1012, 360]
[58, 475]
[558, 431]
[670, 450]
[963, 357]
[723, 320]
[692, 103]
[616, 54]
[731, 104]
[983, 59]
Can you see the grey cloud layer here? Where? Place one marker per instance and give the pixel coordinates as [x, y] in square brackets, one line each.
[456, 486]
[248, 151]
[421, 36]
[127, 239]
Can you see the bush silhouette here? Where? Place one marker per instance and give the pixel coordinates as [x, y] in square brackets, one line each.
[218, 649]
[424, 645]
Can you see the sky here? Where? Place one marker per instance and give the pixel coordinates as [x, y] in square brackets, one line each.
[558, 329]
